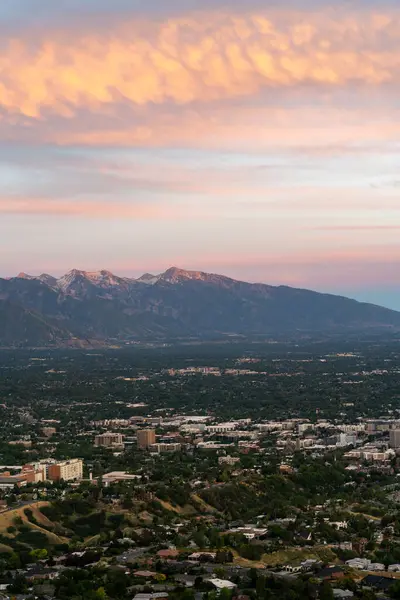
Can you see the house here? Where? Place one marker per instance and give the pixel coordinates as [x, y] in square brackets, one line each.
[221, 584]
[394, 568]
[186, 580]
[377, 567]
[342, 594]
[39, 572]
[292, 568]
[157, 596]
[203, 556]
[310, 563]
[378, 582]
[146, 574]
[362, 564]
[305, 535]
[329, 573]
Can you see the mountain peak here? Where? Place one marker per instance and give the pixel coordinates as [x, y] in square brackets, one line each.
[78, 279]
[69, 279]
[44, 278]
[148, 278]
[175, 275]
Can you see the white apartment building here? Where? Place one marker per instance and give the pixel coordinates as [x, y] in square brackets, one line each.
[222, 427]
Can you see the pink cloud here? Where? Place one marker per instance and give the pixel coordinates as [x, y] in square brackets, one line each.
[87, 209]
[214, 55]
[351, 228]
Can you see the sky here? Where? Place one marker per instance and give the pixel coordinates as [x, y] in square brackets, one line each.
[257, 139]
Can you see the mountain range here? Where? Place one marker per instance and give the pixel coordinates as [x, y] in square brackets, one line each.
[101, 308]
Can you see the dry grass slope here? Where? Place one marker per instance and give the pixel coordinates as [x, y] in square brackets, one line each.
[7, 519]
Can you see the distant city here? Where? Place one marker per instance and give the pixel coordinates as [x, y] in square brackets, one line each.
[198, 471]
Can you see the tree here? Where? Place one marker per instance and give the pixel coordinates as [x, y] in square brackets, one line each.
[39, 554]
[100, 594]
[225, 594]
[260, 586]
[325, 591]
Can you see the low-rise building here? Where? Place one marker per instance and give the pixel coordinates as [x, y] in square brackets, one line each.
[228, 460]
[8, 481]
[115, 476]
[163, 447]
[221, 584]
[49, 431]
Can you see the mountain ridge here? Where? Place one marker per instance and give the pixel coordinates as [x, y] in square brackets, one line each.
[105, 308]
[172, 275]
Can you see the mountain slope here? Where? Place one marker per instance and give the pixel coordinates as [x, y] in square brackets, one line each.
[20, 327]
[102, 306]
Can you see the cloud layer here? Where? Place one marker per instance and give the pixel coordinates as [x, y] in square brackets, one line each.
[214, 56]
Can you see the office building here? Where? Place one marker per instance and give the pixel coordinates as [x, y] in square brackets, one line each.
[145, 438]
[174, 447]
[394, 438]
[66, 469]
[108, 440]
[347, 439]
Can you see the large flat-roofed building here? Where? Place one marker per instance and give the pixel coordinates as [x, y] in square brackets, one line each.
[145, 438]
[174, 447]
[108, 440]
[8, 481]
[394, 438]
[115, 476]
[66, 469]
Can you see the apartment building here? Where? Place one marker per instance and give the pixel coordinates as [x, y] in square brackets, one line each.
[66, 469]
[145, 438]
[394, 436]
[109, 439]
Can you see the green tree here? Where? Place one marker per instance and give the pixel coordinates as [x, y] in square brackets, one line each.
[260, 586]
[325, 591]
[225, 594]
[101, 594]
[39, 554]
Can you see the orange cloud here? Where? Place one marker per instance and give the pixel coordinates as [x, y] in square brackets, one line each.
[211, 56]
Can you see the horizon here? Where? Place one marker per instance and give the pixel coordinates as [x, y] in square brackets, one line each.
[139, 273]
[257, 141]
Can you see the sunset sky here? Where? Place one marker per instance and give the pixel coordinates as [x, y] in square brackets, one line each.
[258, 139]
